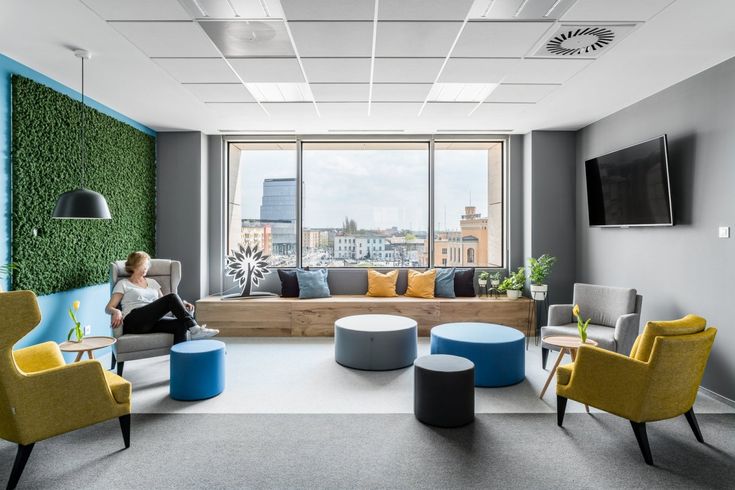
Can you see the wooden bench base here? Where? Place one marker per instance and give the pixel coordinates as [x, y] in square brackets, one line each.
[293, 317]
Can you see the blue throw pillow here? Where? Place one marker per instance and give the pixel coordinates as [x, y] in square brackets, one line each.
[313, 284]
[444, 283]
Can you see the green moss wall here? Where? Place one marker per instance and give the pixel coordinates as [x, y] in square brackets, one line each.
[120, 164]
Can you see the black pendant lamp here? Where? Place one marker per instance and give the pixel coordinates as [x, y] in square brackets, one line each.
[82, 203]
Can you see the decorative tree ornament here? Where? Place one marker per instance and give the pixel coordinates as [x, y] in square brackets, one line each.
[247, 265]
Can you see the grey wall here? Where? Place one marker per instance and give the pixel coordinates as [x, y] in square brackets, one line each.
[181, 217]
[685, 268]
[548, 206]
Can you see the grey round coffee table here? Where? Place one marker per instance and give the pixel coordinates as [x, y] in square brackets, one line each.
[375, 342]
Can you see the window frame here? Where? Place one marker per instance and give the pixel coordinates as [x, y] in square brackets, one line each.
[431, 139]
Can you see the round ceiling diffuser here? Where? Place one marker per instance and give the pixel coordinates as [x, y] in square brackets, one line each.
[578, 41]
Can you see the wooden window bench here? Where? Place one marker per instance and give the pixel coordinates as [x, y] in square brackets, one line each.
[286, 317]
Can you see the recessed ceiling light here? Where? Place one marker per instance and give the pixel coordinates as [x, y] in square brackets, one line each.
[281, 92]
[460, 92]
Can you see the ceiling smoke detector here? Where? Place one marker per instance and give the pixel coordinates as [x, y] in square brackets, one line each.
[583, 41]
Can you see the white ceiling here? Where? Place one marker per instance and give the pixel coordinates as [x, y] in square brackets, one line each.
[183, 65]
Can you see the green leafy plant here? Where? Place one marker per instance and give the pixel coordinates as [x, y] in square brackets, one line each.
[539, 269]
[581, 326]
[496, 276]
[483, 275]
[77, 328]
[514, 282]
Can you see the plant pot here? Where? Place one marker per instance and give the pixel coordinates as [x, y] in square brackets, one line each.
[539, 291]
[494, 282]
[513, 293]
[482, 282]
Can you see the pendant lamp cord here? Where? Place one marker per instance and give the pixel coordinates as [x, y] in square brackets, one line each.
[81, 128]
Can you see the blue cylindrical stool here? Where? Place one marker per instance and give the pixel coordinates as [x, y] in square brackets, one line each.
[497, 351]
[197, 370]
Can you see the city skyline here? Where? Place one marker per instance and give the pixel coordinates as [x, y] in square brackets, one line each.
[461, 180]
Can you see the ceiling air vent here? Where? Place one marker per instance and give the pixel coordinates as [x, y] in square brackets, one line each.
[583, 41]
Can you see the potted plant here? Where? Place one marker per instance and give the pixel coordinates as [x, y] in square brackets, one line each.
[495, 279]
[514, 283]
[539, 270]
[77, 328]
[6, 269]
[482, 278]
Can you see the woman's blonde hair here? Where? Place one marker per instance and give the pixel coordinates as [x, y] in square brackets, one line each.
[134, 260]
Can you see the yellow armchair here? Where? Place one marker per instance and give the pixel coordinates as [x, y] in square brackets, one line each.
[40, 395]
[658, 381]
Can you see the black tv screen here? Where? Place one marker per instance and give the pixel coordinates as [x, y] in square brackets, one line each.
[630, 187]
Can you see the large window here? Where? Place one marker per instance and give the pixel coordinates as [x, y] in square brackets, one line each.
[369, 204]
[262, 199]
[364, 204]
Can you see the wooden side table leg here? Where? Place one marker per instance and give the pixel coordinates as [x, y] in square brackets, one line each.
[573, 353]
[79, 356]
[89, 353]
[553, 371]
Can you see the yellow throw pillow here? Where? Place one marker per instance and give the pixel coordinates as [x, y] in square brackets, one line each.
[382, 285]
[421, 284]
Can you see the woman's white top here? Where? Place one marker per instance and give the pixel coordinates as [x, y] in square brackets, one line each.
[136, 296]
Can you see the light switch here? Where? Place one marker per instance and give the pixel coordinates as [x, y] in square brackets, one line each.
[724, 232]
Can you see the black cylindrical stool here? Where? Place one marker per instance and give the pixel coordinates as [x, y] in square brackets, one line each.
[444, 390]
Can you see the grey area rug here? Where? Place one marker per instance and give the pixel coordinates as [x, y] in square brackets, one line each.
[380, 451]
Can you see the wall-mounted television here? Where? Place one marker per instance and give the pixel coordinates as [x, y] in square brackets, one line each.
[630, 187]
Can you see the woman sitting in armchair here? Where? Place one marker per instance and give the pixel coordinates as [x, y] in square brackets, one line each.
[145, 307]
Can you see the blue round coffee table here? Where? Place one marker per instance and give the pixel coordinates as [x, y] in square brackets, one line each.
[197, 370]
[498, 351]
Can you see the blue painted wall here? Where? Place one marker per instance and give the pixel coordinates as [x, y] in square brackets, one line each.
[55, 322]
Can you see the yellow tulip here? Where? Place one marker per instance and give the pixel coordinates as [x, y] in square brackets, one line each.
[76, 305]
[575, 310]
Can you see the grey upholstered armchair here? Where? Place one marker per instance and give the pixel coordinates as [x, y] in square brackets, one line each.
[136, 346]
[615, 315]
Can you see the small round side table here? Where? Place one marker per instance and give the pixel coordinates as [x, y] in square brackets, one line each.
[88, 344]
[567, 345]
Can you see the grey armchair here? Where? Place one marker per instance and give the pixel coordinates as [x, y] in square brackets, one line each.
[615, 315]
[140, 346]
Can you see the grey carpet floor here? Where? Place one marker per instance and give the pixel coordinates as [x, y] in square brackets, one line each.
[380, 451]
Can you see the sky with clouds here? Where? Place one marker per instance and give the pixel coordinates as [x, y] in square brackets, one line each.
[379, 189]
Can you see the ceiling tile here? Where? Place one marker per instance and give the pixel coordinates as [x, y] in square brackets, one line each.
[340, 92]
[423, 9]
[533, 70]
[249, 38]
[498, 112]
[499, 39]
[415, 39]
[521, 92]
[448, 109]
[233, 9]
[219, 92]
[509, 9]
[477, 70]
[406, 69]
[244, 110]
[286, 110]
[400, 92]
[344, 110]
[268, 69]
[138, 9]
[619, 10]
[395, 110]
[203, 70]
[332, 39]
[329, 9]
[167, 39]
[337, 70]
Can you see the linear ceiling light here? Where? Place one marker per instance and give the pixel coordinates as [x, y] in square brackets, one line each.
[372, 57]
[198, 6]
[551, 9]
[265, 8]
[487, 10]
[229, 2]
[281, 92]
[460, 92]
[521, 7]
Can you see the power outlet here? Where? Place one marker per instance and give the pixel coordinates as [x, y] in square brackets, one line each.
[87, 329]
[724, 232]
